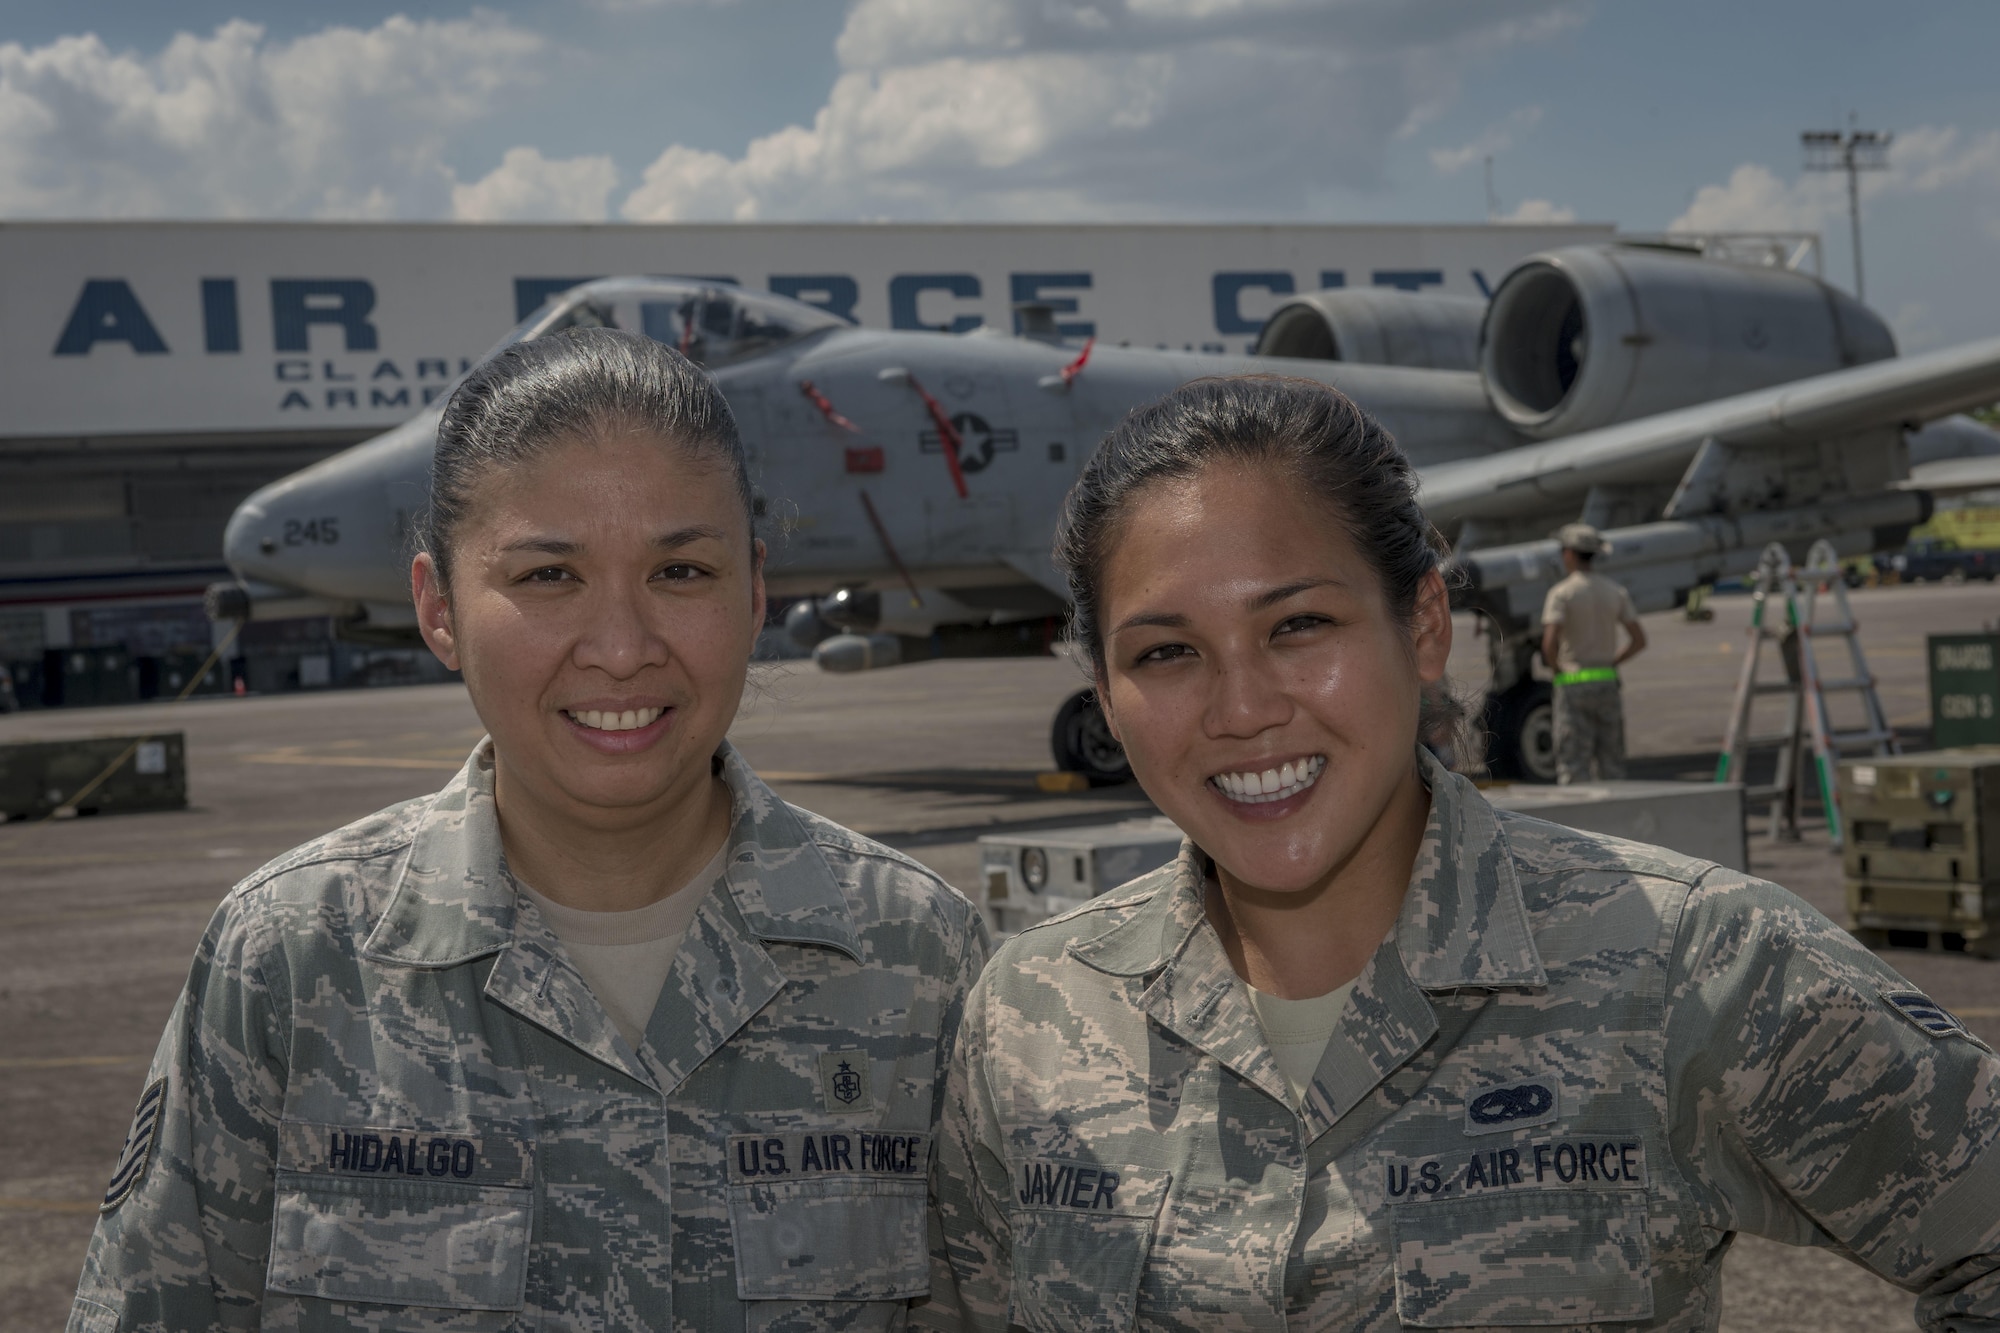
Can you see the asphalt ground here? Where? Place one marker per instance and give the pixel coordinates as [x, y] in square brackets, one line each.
[101, 915]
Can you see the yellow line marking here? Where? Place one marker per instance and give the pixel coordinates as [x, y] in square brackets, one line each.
[296, 755]
[1983, 1011]
[71, 1061]
[20, 1203]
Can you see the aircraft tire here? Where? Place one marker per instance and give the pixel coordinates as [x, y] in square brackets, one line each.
[1082, 742]
[1520, 733]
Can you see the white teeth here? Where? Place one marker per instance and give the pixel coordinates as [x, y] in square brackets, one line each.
[630, 719]
[1273, 784]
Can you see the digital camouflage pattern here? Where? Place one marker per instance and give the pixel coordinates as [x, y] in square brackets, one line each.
[1575, 1067]
[1590, 731]
[391, 1102]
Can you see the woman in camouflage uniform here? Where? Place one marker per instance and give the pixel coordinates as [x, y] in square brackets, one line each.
[1373, 1055]
[603, 1035]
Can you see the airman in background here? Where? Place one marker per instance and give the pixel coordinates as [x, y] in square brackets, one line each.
[1581, 618]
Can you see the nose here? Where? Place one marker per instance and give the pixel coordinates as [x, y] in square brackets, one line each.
[619, 637]
[1245, 698]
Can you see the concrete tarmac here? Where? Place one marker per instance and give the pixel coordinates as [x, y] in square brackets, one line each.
[101, 915]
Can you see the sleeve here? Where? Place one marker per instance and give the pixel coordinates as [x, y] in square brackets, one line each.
[940, 1309]
[1553, 605]
[1816, 1097]
[1627, 612]
[971, 1244]
[184, 1235]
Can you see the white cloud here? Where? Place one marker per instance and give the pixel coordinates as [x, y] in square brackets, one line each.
[1926, 160]
[527, 185]
[343, 122]
[1488, 142]
[1107, 108]
[1538, 210]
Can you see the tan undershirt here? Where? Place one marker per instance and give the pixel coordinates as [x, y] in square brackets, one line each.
[624, 957]
[1298, 1031]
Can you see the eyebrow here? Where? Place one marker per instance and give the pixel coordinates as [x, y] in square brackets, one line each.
[1263, 601]
[1270, 597]
[666, 541]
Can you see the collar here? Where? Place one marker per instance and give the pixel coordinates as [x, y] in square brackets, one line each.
[1463, 921]
[454, 901]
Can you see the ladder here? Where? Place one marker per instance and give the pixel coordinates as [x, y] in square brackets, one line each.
[1809, 728]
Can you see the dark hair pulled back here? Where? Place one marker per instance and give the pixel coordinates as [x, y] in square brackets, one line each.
[575, 384]
[1311, 432]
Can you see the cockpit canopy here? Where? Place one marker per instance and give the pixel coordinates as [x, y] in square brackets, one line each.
[711, 323]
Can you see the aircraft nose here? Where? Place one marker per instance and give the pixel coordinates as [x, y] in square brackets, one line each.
[251, 542]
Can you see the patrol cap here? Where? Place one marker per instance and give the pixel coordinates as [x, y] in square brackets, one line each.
[1582, 538]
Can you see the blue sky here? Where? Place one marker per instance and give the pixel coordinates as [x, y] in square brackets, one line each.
[1648, 116]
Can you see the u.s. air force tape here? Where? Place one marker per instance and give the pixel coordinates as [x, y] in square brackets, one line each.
[1568, 1162]
[137, 1154]
[818, 1154]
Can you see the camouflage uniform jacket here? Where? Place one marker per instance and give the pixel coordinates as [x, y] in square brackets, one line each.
[1574, 1068]
[386, 1100]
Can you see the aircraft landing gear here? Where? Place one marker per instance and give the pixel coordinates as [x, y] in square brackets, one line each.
[1083, 742]
[1521, 731]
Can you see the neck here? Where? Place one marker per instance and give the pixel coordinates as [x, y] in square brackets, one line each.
[583, 864]
[1299, 944]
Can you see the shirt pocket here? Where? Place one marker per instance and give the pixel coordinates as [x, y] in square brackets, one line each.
[851, 1238]
[1534, 1259]
[396, 1242]
[1081, 1238]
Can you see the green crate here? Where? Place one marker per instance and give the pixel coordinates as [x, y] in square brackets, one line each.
[37, 778]
[1932, 816]
[1965, 689]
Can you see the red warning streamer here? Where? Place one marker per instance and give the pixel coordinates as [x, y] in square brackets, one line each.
[947, 433]
[1075, 368]
[826, 407]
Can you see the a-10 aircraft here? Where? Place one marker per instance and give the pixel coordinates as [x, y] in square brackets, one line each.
[1693, 408]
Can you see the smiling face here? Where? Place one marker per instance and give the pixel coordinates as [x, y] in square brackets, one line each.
[1264, 691]
[604, 599]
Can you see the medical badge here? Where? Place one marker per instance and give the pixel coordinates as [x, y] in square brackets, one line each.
[138, 1150]
[1515, 1104]
[843, 1081]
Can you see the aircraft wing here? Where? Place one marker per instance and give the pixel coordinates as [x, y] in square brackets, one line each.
[1954, 476]
[1539, 477]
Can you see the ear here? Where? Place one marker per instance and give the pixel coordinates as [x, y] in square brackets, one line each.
[759, 598]
[1430, 628]
[427, 590]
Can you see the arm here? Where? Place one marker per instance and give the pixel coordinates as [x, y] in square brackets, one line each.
[1808, 1107]
[186, 1243]
[1635, 642]
[941, 1309]
[1552, 619]
[972, 1246]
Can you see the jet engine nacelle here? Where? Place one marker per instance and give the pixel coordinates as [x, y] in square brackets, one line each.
[1376, 326]
[1590, 335]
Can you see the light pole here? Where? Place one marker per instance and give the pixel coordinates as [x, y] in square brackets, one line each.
[1854, 152]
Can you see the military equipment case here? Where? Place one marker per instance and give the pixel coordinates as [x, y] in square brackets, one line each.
[1923, 848]
[1033, 876]
[37, 778]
